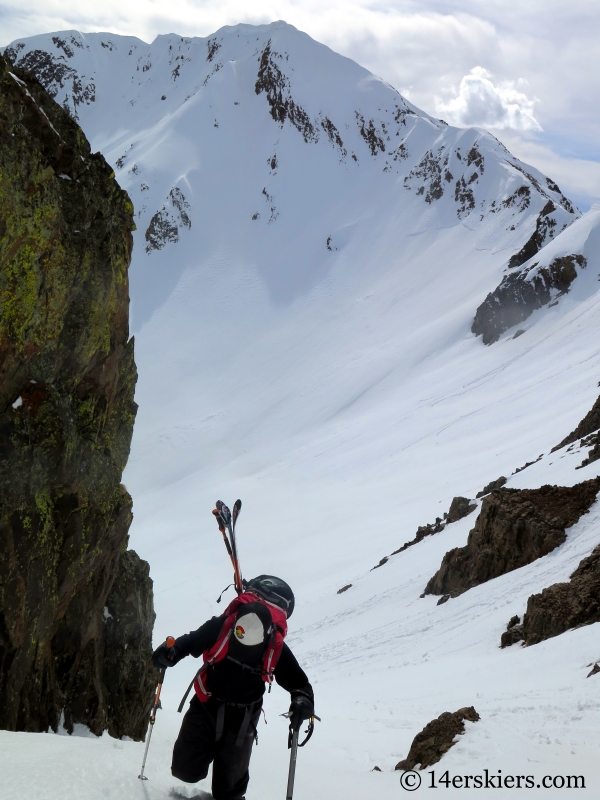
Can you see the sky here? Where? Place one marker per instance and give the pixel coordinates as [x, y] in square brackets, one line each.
[526, 71]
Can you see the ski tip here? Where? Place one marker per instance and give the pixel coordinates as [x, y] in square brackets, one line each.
[237, 505]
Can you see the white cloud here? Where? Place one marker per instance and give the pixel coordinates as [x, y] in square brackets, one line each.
[578, 178]
[479, 102]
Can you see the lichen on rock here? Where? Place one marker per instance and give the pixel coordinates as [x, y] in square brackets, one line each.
[67, 380]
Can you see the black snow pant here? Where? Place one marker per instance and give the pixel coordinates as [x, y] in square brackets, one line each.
[218, 733]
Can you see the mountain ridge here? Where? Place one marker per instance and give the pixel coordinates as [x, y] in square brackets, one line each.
[239, 85]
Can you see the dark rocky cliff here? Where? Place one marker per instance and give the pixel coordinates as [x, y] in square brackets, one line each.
[560, 607]
[76, 611]
[521, 293]
[588, 431]
[514, 528]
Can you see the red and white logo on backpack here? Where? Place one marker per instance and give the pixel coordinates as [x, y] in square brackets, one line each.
[251, 634]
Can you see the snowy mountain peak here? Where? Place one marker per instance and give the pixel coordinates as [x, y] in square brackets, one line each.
[276, 128]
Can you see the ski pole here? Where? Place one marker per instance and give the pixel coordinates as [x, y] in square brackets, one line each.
[170, 641]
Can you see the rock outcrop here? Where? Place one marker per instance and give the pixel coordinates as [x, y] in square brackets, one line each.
[436, 738]
[514, 528]
[588, 425]
[459, 507]
[563, 606]
[513, 632]
[489, 487]
[544, 230]
[76, 610]
[589, 433]
[594, 453]
[521, 293]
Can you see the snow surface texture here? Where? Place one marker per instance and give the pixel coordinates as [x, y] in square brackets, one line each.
[303, 340]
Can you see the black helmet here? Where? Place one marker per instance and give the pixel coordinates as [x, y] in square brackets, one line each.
[274, 590]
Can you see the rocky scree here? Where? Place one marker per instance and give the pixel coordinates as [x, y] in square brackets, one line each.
[514, 528]
[76, 610]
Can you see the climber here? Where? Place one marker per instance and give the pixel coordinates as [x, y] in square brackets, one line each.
[243, 650]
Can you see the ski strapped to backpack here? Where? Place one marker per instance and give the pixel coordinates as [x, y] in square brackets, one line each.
[226, 522]
[255, 622]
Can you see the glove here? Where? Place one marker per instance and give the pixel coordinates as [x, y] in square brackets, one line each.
[164, 657]
[301, 708]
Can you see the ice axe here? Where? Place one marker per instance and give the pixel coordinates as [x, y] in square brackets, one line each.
[293, 736]
[170, 641]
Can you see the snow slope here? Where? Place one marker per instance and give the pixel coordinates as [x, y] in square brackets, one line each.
[317, 361]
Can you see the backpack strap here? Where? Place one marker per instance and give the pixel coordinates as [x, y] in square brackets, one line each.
[185, 696]
[273, 652]
[244, 726]
[220, 722]
[252, 670]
